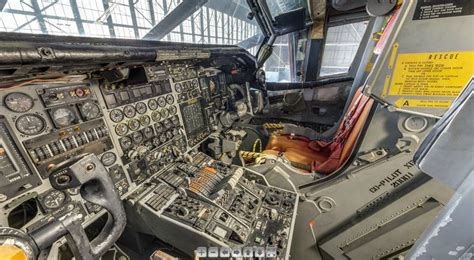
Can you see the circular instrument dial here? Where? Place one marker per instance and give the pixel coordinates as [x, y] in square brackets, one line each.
[30, 124]
[121, 129]
[90, 110]
[133, 124]
[18, 102]
[116, 115]
[137, 137]
[172, 110]
[167, 123]
[163, 138]
[156, 116]
[144, 120]
[125, 143]
[108, 158]
[129, 111]
[175, 120]
[156, 141]
[164, 113]
[169, 99]
[161, 101]
[148, 132]
[54, 199]
[152, 104]
[63, 116]
[175, 131]
[194, 83]
[158, 128]
[140, 107]
[178, 87]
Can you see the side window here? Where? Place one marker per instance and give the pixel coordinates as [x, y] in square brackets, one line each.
[340, 48]
[277, 67]
[287, 58]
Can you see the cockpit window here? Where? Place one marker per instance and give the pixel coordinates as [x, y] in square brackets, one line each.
[201, 22]
[342, 43]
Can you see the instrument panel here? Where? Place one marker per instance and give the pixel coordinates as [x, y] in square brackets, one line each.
[137, 127]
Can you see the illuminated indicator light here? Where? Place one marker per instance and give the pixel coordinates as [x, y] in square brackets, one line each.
[80, 92]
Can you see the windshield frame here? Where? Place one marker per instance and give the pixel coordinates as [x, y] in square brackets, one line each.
[212, 22]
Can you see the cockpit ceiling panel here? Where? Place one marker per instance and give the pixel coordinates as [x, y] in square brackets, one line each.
[427, 59]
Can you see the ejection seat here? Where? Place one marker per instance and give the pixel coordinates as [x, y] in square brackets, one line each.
[323, 156]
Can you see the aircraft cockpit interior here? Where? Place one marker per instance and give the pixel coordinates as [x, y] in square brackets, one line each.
[234, 129]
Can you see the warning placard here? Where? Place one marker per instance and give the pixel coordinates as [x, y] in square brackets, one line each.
[442, 74]
[433, 9]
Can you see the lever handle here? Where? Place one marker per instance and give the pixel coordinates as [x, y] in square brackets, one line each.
[96, 187]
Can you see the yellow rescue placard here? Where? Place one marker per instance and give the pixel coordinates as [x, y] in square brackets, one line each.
[441, 74]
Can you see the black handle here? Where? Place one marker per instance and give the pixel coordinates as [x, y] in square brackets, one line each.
[96, 186]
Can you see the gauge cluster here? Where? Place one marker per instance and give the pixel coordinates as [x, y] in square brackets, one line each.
[135, 128]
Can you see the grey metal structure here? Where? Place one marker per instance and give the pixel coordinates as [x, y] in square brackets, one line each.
[214, 21]
[447, 155]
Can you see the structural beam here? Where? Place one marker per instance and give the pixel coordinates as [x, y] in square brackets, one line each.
[39, 16]
[133, 15]
[2, 4]
[77, 17]
[109, 19]
[174, 18]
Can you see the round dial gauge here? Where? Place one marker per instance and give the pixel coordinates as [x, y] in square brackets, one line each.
[129, 111]
[125, 143]
[54, 199]
[121, 129]
[152, 104]
[90, 110]
[169, 99]
[169, 134]
[164, 113]
[137, 137]
[108, 158]
[175, 131]
[63, 116]
[158, 128]
[30, 124]
[116, 115]
[156, 116]
[163, 138]
[140, 107]
[144, 120]
[133, 124]
[18, 102]
[178, 87]
[172, 110]
[156, 141]
[161, 101]
[167, 123]
[194, 83]
[175, 120]
[415, 124]
[148, 132]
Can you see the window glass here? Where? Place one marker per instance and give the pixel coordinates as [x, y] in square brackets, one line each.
[286, 62]
[216, 22]
[277, 66]
[278, 7]
[341, 47]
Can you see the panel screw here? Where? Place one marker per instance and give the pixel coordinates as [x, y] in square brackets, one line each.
[90, 167]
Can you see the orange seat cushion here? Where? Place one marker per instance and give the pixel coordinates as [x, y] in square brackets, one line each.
[298, 149]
